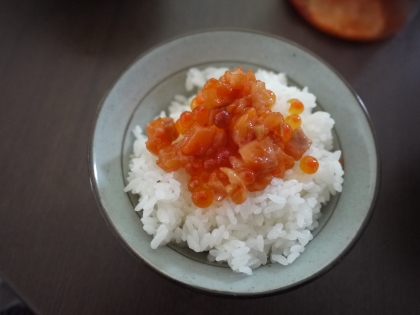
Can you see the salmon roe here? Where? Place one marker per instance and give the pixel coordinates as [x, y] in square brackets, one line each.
[294, 121]
[287, 132]
[296, 106]
[309, 164]
[231, 142]
[202, 198]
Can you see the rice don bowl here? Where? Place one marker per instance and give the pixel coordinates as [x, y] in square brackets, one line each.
[271, 225]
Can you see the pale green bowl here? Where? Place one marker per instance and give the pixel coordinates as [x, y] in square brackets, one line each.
[149, 85]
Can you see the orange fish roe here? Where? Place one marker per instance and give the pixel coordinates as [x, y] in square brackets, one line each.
[293, 121]
[287, 132]
[296, 106]
[309, 164]
[231, 142]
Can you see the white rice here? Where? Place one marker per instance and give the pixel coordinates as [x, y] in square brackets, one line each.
[271, 225]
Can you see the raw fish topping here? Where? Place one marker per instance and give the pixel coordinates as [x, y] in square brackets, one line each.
[231, 142]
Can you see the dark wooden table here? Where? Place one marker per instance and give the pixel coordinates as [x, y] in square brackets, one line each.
[57, 60]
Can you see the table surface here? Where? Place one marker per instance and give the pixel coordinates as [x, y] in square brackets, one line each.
[57, 60]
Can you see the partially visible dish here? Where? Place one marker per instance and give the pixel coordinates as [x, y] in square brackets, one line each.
[358, 20]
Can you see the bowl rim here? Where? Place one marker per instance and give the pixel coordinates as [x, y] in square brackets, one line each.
[227, 294]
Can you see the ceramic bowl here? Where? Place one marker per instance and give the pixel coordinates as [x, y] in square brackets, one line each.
[148, 86]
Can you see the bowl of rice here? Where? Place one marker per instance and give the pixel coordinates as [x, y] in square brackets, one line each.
[292, 231]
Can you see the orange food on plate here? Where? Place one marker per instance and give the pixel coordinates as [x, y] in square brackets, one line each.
[361, 20]
[231, 142]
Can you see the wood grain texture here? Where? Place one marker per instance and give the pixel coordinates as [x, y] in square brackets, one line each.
[57, 60]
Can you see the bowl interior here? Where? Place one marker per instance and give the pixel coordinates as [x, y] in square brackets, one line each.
[149, 85]
[157, 100]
